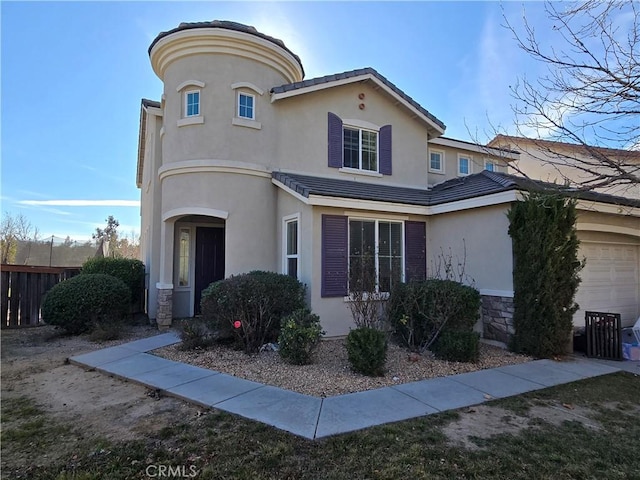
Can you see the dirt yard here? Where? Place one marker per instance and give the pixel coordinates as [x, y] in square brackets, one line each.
[90, 406]
[97, 406]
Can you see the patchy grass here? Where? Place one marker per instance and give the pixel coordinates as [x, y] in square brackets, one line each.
[25, 427]
[222, 446]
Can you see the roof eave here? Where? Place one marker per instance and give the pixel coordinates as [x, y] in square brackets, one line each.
[434, 126]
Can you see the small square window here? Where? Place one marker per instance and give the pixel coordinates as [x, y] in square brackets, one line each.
[464, 165]
[246, 106]
[192, 106]
[489, 166]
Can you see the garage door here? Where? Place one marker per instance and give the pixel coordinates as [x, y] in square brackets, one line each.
[610, 281]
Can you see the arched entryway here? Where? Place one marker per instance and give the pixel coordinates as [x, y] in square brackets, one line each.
[198, 260]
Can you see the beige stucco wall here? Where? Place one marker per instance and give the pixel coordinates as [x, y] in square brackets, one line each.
[150, 206]
[250, 229]
[534, 163]
[483, 231]
[451, 163]
[217, 137]
[302, 133]
[288, 205]
[334, 312]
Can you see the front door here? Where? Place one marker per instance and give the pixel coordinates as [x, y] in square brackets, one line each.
[209, 260]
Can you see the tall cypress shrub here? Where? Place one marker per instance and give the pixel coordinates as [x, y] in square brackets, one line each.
[545, 272]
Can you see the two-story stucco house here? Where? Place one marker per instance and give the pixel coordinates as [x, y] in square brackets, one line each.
[245, 165]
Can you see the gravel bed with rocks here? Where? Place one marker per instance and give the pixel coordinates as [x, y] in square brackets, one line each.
[330, 373]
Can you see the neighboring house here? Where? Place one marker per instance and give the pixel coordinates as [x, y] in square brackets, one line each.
[551, 161]
[244, 165]
[611, 277]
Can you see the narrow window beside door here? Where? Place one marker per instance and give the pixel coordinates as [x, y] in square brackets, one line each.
[291, 248]
[183, 269]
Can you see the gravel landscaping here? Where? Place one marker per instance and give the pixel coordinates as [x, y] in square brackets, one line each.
[330, 374]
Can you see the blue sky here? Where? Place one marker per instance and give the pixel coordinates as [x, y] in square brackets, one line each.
[73, 75]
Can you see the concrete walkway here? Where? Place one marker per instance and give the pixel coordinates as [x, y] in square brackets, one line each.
[313, 417]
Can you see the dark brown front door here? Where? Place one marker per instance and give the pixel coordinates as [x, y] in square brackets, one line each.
[209, 260]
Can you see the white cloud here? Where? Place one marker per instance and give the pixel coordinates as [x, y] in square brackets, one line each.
[82, 203]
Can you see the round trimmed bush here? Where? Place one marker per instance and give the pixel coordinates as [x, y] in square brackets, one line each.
[129, 270]
[457, 346]
[249, 307]
[419, 310]
[300, 334]
[367, 351]
[81, 303]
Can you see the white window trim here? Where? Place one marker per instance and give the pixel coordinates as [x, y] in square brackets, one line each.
[357, 171]
[186, 103]
[486, 161]
[357, 125]
[248, 85]
[470, 163]
[253, 109]
[191, 265]
[189, 83]
[285, 221]
[245, 122]
[376, 234]
[433, 170]
[183, 122]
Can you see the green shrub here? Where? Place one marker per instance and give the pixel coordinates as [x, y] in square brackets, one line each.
[457, 346]
[249, 307]
[545, 273]
[367, 350]
[129, 270]
[85, 301]
[195, 334]
[420, 311]
[300, 334]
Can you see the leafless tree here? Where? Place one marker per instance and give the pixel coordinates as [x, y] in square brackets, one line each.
[589, 95]
[15, 229]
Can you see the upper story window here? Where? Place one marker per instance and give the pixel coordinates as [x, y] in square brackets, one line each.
[192, 103]
[436, 161]
[489, 166]
[464, 165]
[360, 149]
[191, 98]
[246, 107]
[356, 144]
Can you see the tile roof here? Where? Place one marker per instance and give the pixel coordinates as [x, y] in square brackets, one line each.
[471, 186]
[228, 25]
[521, 142]
[150, 103]
[357, 73]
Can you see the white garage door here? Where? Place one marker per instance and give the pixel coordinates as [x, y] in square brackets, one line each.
[610, 281]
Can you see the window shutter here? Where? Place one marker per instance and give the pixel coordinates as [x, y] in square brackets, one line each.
[334, 256]
[385, 150]
[335, 141]
[415, 239]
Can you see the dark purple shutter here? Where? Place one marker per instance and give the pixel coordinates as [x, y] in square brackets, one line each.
[385, 150]
[335, 141]
[334, 256]
[415, 243]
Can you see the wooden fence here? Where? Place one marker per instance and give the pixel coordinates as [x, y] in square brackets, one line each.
[22, 289]
[604, 335]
